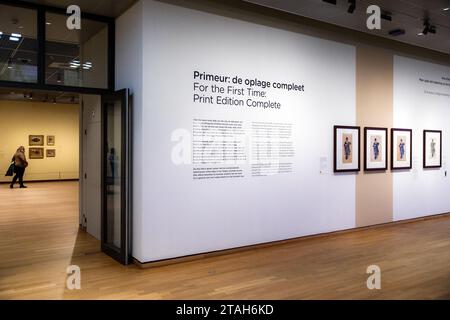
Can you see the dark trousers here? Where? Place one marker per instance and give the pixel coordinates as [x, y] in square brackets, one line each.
[19, 175]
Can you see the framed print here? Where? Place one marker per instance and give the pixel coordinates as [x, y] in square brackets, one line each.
[50, 140]
[36, 153]
[401, 149]
[432, 149]
[51, 153]
[375, 149]
[346, 149]
[35, 140]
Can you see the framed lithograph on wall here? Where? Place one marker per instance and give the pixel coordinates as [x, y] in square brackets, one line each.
[346, 149]
[50, 140]
[36, 153]
[375, 149]
[401, 149]
[432, 149]
[35, 140]
[51, 153]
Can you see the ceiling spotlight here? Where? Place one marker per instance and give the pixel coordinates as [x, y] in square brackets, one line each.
[1, 33]
[446, 9]
[427, 28]
[386, 16]
[48, 23]
[352, 6]
[397, 32]
[14, 39]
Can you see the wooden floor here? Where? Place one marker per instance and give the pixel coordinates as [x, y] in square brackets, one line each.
[39, 238]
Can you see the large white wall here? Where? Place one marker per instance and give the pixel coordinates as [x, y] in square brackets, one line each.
[420, 192]
[175, 215]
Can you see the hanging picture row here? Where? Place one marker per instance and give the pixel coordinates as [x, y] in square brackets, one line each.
[347, 151]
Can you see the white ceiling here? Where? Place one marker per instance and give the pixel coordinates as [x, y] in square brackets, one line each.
[406, 14]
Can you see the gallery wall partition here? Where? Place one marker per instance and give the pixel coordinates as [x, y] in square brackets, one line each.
[250, 130]
[235, 132]
[422, 103]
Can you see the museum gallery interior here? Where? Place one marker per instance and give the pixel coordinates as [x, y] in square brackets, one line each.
[261, 149]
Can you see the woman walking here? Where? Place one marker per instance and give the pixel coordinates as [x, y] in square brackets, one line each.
[20, 164]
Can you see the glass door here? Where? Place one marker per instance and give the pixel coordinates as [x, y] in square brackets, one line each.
[116, 176]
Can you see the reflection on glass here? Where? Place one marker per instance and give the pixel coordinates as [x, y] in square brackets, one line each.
[18, 44]
[76, 58]
[113, 173]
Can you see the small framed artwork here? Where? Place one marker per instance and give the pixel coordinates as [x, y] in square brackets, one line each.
[375, 149]
[36, 153]
[432, 149]
[401, 149]
[346, 149]
[35, 140]
[50, 140]
[51, 153]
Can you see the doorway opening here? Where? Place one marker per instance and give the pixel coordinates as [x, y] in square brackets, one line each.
[76, 150]
[61, 133]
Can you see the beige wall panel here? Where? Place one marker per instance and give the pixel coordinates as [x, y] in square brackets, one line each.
[374, 108]
[19, 119]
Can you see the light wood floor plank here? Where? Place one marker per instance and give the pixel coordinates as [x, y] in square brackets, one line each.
[39, 238]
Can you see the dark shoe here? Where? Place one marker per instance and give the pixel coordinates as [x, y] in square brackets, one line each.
[23, 187]
[11, 186]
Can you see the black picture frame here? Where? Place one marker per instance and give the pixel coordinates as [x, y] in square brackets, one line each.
[393, 167]
[425, 166]
[366, 156]
[335, 160]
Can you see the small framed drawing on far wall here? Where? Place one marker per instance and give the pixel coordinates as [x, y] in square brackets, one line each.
[346, 149]
[432, 149]
[51, 153]
[401, 149]
[50, 140]
[375, 149]
[36, 153]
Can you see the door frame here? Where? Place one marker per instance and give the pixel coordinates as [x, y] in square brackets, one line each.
[123, 255]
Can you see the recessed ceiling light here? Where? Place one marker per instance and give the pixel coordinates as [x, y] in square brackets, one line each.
[446, 9]
[14, 39]
[48, 23]
[397, 32]
[16, 35]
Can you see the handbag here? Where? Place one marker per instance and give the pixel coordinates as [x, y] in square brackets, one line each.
[10, 171]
